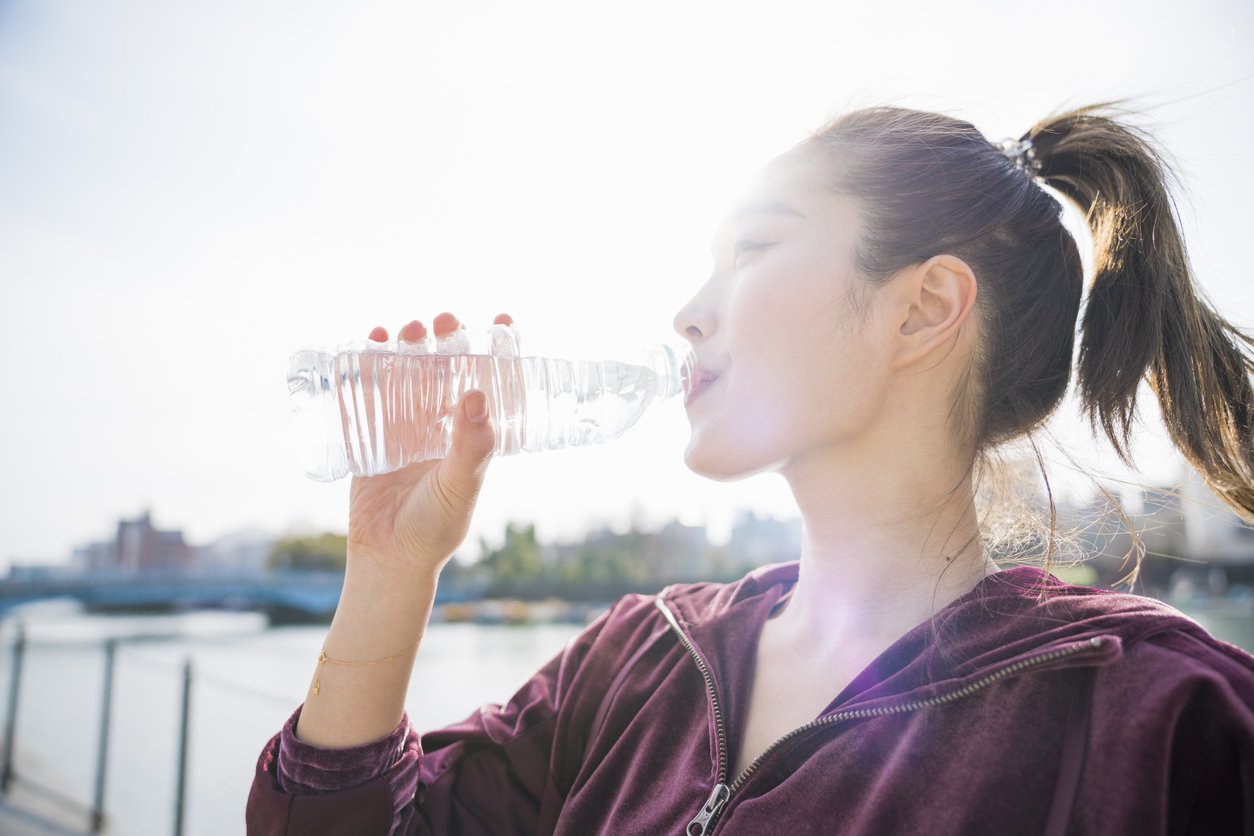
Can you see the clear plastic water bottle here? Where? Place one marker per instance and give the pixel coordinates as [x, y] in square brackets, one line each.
[370, 408]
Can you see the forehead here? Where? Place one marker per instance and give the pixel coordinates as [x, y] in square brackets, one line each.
[792, 185]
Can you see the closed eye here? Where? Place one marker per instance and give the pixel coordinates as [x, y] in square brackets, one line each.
[748, 245]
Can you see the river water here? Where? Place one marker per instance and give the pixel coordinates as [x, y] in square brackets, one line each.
[247, 679]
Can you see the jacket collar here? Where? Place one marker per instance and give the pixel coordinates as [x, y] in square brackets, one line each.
[1013, 619]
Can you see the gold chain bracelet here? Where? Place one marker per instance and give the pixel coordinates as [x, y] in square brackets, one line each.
[324, 659]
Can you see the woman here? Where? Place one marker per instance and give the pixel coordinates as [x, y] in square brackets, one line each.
[895, 297]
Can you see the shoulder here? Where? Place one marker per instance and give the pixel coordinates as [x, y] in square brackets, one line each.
[1183, 659]
[1174, 687]
[1170, 740]
[1161, 641]
[1155, 648]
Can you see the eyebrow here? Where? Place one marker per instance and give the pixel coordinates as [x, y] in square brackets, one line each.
[767, 207]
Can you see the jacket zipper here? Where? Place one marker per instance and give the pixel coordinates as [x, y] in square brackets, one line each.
[722, 792]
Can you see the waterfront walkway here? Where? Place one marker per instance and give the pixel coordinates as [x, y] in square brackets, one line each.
[24, 812]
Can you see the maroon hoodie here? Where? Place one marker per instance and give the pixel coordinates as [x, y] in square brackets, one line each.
[1086, 712]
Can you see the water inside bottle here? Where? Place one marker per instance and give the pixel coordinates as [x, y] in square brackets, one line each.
[374, 409]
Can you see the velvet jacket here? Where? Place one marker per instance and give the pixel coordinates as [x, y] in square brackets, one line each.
[1086, 712]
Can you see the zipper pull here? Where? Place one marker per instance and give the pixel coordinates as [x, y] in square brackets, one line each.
[709, 810]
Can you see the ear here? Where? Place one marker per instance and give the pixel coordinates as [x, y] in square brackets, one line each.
[932, 301]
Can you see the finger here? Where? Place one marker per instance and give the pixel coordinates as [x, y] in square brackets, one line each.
[445, 324]
[473, 442]
[503, 319]
[379, 334]
[412, 332]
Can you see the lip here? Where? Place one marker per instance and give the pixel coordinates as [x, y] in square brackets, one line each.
[702, 379]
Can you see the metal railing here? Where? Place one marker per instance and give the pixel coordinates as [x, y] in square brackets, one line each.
[93, 812]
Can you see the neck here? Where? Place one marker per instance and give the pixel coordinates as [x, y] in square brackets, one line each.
[884, 547]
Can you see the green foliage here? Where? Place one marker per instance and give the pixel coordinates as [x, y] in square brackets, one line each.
[326, 552]
[603, 566]
[517, 566]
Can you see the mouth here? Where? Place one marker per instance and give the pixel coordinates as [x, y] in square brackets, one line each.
[702, 380]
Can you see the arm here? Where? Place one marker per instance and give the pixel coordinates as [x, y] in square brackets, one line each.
[403, 528]
[504, 769]
[378, 618]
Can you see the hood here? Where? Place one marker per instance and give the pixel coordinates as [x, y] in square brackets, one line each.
[1014, 620]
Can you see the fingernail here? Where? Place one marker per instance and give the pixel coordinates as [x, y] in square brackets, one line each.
[477, 407]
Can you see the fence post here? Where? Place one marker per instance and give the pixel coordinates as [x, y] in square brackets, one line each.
[102, 750]
[10, 724]
[181, 787]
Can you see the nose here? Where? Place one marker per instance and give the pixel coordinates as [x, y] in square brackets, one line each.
[695, 320]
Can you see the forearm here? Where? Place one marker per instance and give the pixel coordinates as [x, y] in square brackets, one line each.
[379, 616]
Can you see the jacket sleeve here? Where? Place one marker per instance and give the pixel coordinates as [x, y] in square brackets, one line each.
[490, 773]
[1212, 752]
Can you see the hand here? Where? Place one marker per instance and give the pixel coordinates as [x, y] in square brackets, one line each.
[410, 521]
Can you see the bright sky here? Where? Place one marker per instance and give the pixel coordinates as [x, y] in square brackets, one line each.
[190, 192]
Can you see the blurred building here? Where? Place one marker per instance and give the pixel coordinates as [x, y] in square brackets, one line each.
[1214, 532]
[136, 547]
[241, 551]
[685, 548]
[1161, 523]
[761, 540]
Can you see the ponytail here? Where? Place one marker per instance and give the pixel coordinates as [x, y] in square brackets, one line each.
[1144, 318]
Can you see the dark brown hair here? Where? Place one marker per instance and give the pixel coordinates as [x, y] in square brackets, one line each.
[927, 184]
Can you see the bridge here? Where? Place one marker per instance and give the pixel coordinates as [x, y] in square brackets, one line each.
[287, 595]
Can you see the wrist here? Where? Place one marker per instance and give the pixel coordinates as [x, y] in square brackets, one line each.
[384, 586]
[389, 569]
[374, 622]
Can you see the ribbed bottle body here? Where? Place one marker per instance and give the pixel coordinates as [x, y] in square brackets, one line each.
[372, 411]
[569, 403]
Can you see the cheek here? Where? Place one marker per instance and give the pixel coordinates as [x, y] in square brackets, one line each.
[773, 364]
[802, 375]
[802, 386]
[794, 340]
[762, 415]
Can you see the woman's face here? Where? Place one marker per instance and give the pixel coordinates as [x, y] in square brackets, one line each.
[788, 366]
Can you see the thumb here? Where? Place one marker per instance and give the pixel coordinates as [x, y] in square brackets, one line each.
[473, 442]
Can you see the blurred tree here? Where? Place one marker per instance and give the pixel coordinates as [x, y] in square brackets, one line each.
[326, 552]
[517, 567]
[606, 564]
